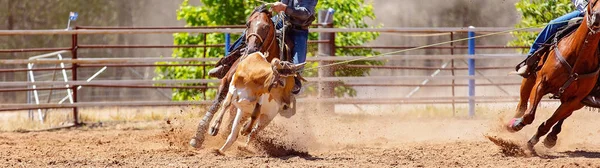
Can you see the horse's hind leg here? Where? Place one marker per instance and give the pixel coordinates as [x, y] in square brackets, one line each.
[552, 137]
[563, 111]
[535, 97]
[526, 86]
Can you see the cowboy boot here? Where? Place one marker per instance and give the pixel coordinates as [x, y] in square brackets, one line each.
[522, 71]
[225, 63]
[528, 66]
[219, 71]
[591, 101]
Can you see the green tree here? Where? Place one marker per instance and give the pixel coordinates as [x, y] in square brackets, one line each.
[349, 13]
[537, 13]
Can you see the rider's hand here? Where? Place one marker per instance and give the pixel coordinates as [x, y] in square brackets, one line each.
[278, 7]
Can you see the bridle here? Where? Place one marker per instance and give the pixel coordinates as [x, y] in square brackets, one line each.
[260, 39]
[591, 17]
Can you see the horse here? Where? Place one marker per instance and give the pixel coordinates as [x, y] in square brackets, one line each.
[569, 70]
[260, 36]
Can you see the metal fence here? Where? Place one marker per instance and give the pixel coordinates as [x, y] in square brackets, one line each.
[325, 78]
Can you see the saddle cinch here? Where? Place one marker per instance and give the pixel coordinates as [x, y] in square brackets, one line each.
[236, 53]
[534, 60]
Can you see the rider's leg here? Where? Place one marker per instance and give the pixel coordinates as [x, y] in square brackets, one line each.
[221, 70]
[300, 38]
[546, 33]
[552, 28]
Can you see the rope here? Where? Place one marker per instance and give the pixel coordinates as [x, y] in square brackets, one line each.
[420, 47]
[429, 45]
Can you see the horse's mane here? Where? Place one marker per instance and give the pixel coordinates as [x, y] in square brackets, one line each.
[261, 9]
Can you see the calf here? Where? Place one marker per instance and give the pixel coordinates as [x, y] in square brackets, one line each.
[258, 89]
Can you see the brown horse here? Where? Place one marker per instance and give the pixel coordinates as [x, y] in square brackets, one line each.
[260, 36]
[569, 71]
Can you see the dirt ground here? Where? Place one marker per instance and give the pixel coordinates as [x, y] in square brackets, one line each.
[318, 141]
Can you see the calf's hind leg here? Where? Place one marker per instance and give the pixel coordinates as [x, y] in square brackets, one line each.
[234, 131]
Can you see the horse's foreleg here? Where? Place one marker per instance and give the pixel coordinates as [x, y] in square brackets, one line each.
[214, 128]
[198, 138]
[564, 110]
[526, 86]
[535, 97]
[552, 137]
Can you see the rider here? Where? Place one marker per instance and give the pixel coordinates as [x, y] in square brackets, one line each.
[551, 29]
[300, 13]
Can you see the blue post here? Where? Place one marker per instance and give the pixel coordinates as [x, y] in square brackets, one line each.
[227, 41]
[471, 72]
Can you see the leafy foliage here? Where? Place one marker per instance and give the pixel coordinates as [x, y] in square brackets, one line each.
[536, 13]
[349, 13]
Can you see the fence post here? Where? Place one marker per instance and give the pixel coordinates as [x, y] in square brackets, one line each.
[471, 72]
[74, 78]
[227, 43]
[453, 75]
[326, 89]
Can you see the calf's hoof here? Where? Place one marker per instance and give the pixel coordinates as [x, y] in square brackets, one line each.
[194, 143]
[213, 131]
[246, 129]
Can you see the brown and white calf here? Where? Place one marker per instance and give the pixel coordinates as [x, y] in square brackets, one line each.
[258, 89]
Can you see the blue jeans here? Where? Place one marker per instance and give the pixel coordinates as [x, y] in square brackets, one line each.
[552, 28]
[300, 38]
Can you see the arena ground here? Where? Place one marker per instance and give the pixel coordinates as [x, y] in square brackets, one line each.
[311, 141]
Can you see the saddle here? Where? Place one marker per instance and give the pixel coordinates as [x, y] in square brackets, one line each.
[534, 60]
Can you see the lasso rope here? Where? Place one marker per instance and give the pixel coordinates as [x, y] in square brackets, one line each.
[419, 47]
[429, 45]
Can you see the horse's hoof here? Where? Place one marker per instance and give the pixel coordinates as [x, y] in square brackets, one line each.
[515, 125]
[550, 141]
[213, 131]
[194, 143]
[530, 144]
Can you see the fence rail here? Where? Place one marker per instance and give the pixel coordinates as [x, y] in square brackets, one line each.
[324, 57]
[239, 30]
